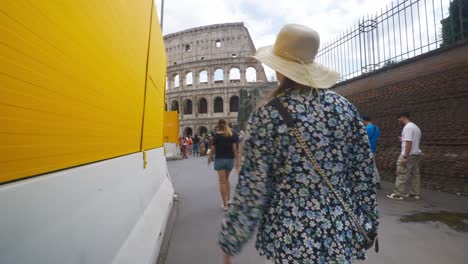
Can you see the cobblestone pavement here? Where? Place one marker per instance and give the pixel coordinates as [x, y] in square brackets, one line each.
[195, 228]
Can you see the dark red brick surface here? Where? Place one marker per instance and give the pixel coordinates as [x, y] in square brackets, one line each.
[434, 89]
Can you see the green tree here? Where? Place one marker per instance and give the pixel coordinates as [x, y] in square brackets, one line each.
[455, 26]
[390, 62]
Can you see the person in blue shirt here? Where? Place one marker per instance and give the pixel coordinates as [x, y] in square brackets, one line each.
[373, 132]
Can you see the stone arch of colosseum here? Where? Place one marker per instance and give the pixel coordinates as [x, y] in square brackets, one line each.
[200, 94]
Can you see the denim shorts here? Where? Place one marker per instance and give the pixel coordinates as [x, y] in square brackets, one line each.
[223, 164]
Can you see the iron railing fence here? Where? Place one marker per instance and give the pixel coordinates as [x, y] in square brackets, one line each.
[404, 29]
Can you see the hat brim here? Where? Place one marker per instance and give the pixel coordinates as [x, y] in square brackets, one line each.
[311, 74]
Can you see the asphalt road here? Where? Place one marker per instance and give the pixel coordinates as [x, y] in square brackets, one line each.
[196, 225]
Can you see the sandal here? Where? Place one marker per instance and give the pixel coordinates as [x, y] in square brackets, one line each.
[395, 196]
[225, 208]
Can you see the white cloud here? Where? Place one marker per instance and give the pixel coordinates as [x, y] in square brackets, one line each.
[262, 17]
[265, 18]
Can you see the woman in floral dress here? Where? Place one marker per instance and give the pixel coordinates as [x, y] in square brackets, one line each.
[299, 219]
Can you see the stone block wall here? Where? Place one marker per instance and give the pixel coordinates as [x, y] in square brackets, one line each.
[434, 88]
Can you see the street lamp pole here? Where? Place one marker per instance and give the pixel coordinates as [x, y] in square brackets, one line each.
[162, 15]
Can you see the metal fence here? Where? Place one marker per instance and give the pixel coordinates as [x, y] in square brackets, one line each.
[402, 30]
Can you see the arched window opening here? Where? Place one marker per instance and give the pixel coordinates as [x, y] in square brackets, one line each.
[219, 76]
[189, 79]
[202, 130]
[203, 77]
[234, 104]
[187, 48]
[175, 106]
[251, 74]
[188, 131]
[218, 105]
[176, 81]
[218, 43]
[203, 106]
[234, 75]
[188, 107]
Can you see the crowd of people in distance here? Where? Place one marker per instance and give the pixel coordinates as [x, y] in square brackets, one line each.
[199, 145]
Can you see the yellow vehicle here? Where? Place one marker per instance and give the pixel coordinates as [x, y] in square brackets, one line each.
[83, 177]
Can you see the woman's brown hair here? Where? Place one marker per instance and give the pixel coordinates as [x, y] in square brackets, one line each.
[284, 86]
[223, 126]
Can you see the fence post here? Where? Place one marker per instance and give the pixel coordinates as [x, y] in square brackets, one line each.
[460, 16]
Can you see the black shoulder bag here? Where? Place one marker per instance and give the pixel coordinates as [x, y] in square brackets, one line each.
[370, 238]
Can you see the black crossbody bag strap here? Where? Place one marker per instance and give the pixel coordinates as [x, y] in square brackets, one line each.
[288, 119]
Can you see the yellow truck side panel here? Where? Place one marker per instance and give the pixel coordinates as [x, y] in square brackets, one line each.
[155, 90]
[72, 83]
[171, 127]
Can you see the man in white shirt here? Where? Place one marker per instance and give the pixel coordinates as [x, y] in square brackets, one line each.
[408, 178]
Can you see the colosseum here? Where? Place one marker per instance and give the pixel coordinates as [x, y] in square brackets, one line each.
[207, 68]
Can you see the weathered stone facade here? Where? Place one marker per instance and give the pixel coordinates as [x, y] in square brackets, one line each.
[207, 67]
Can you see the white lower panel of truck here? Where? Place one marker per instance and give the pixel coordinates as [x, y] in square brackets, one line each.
[113, 211]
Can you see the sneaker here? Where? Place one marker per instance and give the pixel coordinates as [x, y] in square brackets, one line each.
[395, 196]
[414, 196]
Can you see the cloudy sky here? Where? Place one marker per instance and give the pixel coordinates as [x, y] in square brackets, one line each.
[264, 18]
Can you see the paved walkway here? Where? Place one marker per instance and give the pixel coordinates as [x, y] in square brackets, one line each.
[199, 213]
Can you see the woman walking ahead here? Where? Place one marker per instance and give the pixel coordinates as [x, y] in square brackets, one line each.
[224, 148]
[307, 172]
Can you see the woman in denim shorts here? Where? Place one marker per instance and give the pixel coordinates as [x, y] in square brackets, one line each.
[224, 148]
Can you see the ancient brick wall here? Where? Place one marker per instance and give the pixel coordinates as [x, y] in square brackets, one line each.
[434, 88]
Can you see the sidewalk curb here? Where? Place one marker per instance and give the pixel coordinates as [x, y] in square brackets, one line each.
[173, 158]
[166, 243]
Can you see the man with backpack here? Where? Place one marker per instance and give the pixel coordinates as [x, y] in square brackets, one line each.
[373, 132]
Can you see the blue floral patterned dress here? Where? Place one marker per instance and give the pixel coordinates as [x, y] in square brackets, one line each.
[299, 220]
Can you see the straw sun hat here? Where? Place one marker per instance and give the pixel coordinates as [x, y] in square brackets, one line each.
[293, 56]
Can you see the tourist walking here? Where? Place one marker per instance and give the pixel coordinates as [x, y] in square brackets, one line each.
[196, 146]
[182, 146]
[224, 150]
[241, 135]
[205, 141]
[210, 141]
[202, 146]
[307, 175]
[407, 182]
[241, 141]
[190, 145]
[373, 132]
